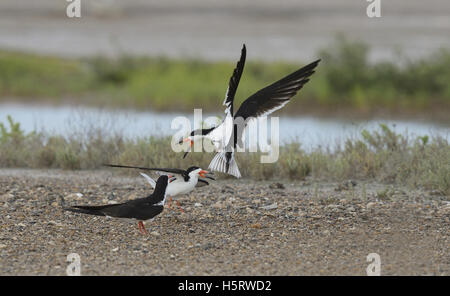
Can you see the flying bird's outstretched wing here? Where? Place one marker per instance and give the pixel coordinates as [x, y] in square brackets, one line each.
[234, 82]
[276, 95]
[269, 99]
[263, 102]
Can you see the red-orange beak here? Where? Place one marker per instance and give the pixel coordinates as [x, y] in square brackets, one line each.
[187, 140]
[202, 173]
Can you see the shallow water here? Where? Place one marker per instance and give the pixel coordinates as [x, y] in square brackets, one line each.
[310, 131]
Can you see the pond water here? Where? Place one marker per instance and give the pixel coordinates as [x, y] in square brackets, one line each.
[310, 131]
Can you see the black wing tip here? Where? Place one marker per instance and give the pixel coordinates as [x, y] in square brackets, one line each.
[81, 207]
[118, 166]
[309, 68]
[72, 209]
[78, 209]
[90, 210]
[315, 63]
[243, 52]
[129, 167]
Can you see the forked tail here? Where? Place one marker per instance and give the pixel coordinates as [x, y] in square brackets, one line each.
[224, 162]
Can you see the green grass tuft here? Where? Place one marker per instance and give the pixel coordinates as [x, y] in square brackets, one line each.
[344, 80]
[382, 155]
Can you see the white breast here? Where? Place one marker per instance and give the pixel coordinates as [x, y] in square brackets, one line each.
[179, 186]
[221, 134]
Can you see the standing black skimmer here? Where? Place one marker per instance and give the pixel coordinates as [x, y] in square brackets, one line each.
[267, 100]
[140, 209]
[180, 181]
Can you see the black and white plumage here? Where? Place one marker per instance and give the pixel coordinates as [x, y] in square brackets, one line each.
[229, 133]
[140, 209]
[180, 181]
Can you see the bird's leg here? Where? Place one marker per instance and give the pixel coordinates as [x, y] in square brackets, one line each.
[170, 202]
[181, 209]
[141, 226]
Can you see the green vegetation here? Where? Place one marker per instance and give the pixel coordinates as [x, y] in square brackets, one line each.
[345, 80]
[383, 155]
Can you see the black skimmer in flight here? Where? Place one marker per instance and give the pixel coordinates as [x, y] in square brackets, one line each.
[180, 181]
[140, 209]
[225, 136]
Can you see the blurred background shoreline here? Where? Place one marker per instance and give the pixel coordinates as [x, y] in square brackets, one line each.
[346, 84]
[173, 56]
[76, 93]
[287, 30]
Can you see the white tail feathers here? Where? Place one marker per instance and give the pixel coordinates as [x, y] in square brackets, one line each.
[149, 180]
[219, 164]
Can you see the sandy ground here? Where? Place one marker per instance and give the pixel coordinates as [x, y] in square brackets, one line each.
[308, 228]
[288, 29]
